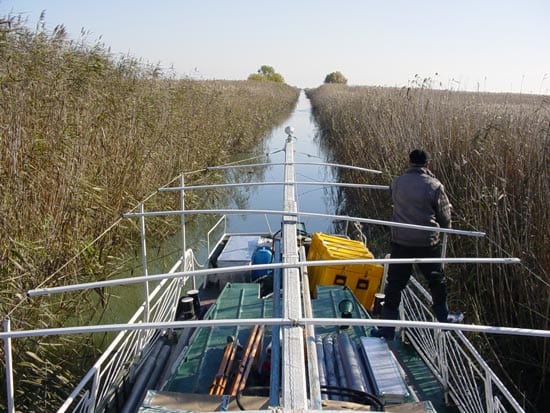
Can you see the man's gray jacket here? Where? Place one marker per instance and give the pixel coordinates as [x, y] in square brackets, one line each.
[419, 198]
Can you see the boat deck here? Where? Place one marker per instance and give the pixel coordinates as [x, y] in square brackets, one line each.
[197, 367]
[417, 375]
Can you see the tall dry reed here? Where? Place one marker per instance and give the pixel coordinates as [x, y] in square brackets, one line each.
[83, 137]
[492, 153]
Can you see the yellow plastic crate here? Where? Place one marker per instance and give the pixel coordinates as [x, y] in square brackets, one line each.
[363, 279]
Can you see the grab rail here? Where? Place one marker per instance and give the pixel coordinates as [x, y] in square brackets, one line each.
[222, 219]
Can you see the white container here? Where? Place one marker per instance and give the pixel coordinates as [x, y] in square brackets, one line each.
[238, 251]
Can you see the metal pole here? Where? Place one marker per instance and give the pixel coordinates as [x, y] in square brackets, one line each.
[183, 240]
[484, 329]
[489, 401]
[306, 214]
[356, 168]
[271, 183]
[144, 262]
[443, 365]
[444, 248]
[223, 218]
[226, 270]
[9, 367]
[93, 393]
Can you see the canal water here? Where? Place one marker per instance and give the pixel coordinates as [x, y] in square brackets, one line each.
[309, 198]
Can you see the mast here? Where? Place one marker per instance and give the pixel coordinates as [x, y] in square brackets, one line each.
[294, 394]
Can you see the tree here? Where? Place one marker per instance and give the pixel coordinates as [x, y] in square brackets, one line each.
[336, 77]
[267, 70]
[267, 73]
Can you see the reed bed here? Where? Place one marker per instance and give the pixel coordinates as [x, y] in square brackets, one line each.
[84, 137]
[492, 152]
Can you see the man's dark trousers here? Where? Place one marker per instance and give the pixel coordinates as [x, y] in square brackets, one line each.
[399, 274]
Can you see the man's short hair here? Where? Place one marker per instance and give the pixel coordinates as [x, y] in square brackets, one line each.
[419, 157]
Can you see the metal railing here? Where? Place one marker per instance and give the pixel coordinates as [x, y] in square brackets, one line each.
[440, 349]
[215, 227]
[107, 375]
[468, 382]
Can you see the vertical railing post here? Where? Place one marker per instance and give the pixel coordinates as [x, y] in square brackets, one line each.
[9, 367]
[488, 383]
[441, 337]
[444, 248]
[94, 391]
[443, 342]
[183, 240]
[144, 264]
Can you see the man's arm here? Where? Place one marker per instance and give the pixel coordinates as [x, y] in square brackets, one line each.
[443, 208]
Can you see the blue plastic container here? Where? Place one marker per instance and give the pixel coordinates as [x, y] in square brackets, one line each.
[262, 255]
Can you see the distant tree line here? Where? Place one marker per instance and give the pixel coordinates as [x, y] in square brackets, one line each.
[267, 73]
[336, 77]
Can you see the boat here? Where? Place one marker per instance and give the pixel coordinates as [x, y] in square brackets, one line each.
[279, 320]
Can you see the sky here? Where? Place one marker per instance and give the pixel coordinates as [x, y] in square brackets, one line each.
[485, 45]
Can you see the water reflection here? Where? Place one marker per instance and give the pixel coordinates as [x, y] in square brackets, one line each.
[309, 198]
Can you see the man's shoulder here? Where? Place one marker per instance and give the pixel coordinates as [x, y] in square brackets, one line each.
[416, 177]
[417, 173]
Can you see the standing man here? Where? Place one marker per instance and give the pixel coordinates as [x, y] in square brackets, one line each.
[418, 198]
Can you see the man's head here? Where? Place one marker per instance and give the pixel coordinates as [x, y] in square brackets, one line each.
[419, 157]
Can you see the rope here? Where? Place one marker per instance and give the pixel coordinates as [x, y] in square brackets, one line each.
[196, 262]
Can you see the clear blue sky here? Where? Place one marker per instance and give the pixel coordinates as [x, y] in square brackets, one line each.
[501, 46]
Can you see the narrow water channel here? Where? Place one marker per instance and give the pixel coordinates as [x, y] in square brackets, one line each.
[319, 199]
[309, 198]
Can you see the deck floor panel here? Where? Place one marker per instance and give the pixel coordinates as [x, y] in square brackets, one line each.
[418, 375]
[202, 358]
